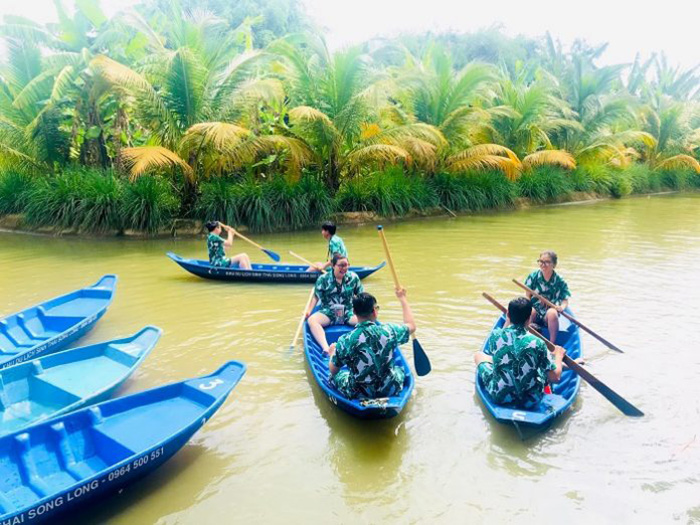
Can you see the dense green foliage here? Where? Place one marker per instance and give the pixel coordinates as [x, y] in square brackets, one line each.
[238, 110]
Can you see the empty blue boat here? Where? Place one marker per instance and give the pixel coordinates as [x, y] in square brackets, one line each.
[382, 408]
[270, 273]
[563, 393]
[56, 465]
[54, 324]
[65, 381]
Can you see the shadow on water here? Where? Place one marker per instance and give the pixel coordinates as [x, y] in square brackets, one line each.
[365, 455]
[111, 505]
[520, 451]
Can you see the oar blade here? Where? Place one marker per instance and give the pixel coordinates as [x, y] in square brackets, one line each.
[272, 255]
[608, 393]
[420, 359]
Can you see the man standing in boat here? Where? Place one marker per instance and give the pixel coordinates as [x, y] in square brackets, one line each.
[517, 365]
[335, 245]
[368, 352]
[215, 246]
[552, 287]
[335, 291]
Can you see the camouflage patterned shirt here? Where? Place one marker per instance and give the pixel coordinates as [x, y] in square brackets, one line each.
[336, 245]
[368, 352]
[556, 290]
[518, 373]
[334, 296]
[217, 256]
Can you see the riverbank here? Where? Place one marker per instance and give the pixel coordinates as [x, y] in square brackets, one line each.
[192, 228]
[104, 203]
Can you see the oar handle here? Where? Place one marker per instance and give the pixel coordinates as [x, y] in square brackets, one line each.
[248, 240]
[301, 258]
[569, 317]
[380, 228]
[303, 317]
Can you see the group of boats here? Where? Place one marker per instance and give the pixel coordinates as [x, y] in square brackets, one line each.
[554, 404]
[62, 440]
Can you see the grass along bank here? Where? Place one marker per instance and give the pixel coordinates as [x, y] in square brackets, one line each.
[101, 202]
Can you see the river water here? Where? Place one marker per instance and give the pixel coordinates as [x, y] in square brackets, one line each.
[279, 452]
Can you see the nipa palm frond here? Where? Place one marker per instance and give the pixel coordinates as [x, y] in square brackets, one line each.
[679, 161]
[142, 159]
[550, 158]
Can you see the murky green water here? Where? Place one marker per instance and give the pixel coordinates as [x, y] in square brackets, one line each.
[278, 452]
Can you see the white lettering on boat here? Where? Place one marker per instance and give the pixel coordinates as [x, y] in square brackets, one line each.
[13, 521]
[45, 507]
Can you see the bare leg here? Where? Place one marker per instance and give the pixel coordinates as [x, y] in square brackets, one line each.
[316, 324]
[552, 320]
[243, 261]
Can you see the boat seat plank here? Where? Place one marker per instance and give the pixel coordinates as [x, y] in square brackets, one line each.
[81, 378]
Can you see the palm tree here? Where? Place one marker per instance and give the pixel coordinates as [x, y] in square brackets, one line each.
[337, 111]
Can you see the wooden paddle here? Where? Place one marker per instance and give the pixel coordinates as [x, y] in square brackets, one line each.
[303, 318]
[569, 317]
[272, 255]
[420, 359]
[616, 399]
[302, 259]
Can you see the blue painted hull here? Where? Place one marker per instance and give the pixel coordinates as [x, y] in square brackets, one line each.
[62, 382]
[267, 273]
[55, 466]
[54, 324]
[553, 405]
[361, 408]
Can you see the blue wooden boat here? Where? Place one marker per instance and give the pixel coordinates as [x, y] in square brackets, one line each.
[54, 466]
[59, 383]
[363, 408]
[268, 273]
[563, 393]
[54, 324]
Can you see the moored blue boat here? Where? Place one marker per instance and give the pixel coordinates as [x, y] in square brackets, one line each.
[54, 324]
[552, 405]
[363, 408]
[270, 273]
[65, 381]
[54, 466]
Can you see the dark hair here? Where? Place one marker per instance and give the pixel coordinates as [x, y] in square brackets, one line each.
[519, 310]
[552, 255]
[337, 257]
[211, 225]
[329, 226]
[363, 304]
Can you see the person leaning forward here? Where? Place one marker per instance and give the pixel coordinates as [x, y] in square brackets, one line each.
[368, 352]
[215, 247]
[518, 365]
[335, 291]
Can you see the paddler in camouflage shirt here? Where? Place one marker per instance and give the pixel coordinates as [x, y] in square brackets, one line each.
[335, 291]
[368, 352]
[517, 365]
[215, 247]
[552, 287]
[335, 245]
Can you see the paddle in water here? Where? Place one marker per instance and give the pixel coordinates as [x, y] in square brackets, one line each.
[272, 255]
[420, 358]
[608, 393]
[569, 317]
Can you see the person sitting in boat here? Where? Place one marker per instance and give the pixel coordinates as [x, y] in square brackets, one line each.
[215, 245]
[335, 245]
[335, 291]
[517, 365]
[549, 284]
[368, 352]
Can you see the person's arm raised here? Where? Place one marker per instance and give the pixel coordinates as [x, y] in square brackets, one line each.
[406, 308]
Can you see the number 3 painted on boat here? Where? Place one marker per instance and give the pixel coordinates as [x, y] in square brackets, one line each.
[211, 384]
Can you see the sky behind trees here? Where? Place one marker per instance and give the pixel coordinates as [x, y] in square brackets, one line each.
[628, 26]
